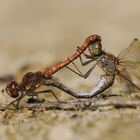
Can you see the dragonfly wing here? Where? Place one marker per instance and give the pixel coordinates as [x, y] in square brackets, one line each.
[130, 57]
[132, 53]
[129, 67]
[126, 82]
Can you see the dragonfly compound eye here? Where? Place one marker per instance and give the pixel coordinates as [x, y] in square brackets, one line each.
[12, 89]
[94, 38]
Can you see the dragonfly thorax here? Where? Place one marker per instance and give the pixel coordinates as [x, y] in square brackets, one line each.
[107, 62]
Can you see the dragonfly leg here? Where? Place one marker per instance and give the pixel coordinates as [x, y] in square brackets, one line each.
[86, 55]
[48, 90]
[104, 83]
[80, 73]
[16, 100]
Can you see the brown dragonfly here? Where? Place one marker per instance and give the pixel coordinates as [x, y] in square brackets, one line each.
[32, 81]
[124, 68]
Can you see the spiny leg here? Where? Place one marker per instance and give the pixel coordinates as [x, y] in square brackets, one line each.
[86, 62]
[44, 91]
[86, 55]
[80, 73]
[16, 100]
[83, 63]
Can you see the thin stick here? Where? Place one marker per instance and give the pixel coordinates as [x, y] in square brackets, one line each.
[82, 105]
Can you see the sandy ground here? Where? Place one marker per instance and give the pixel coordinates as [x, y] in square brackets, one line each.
[35, 34]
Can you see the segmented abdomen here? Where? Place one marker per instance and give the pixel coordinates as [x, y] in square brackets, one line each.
[55, 68]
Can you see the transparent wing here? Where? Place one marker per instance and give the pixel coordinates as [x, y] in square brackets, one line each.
[130, 57]
[129, 67]
[126, 82]
[134, 48]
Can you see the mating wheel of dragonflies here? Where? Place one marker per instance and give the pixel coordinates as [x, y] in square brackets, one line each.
[113, 67]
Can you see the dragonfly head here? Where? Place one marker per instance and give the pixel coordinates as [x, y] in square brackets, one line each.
[95, 48]
[12, 89]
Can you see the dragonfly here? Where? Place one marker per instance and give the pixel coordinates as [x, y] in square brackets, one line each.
[123, 67]
[32, 81]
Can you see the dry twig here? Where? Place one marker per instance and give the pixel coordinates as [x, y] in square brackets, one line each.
[81, 105]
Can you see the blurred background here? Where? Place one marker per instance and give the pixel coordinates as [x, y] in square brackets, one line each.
[35, 34]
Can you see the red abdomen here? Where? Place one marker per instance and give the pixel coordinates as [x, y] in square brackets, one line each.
[55, 68]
